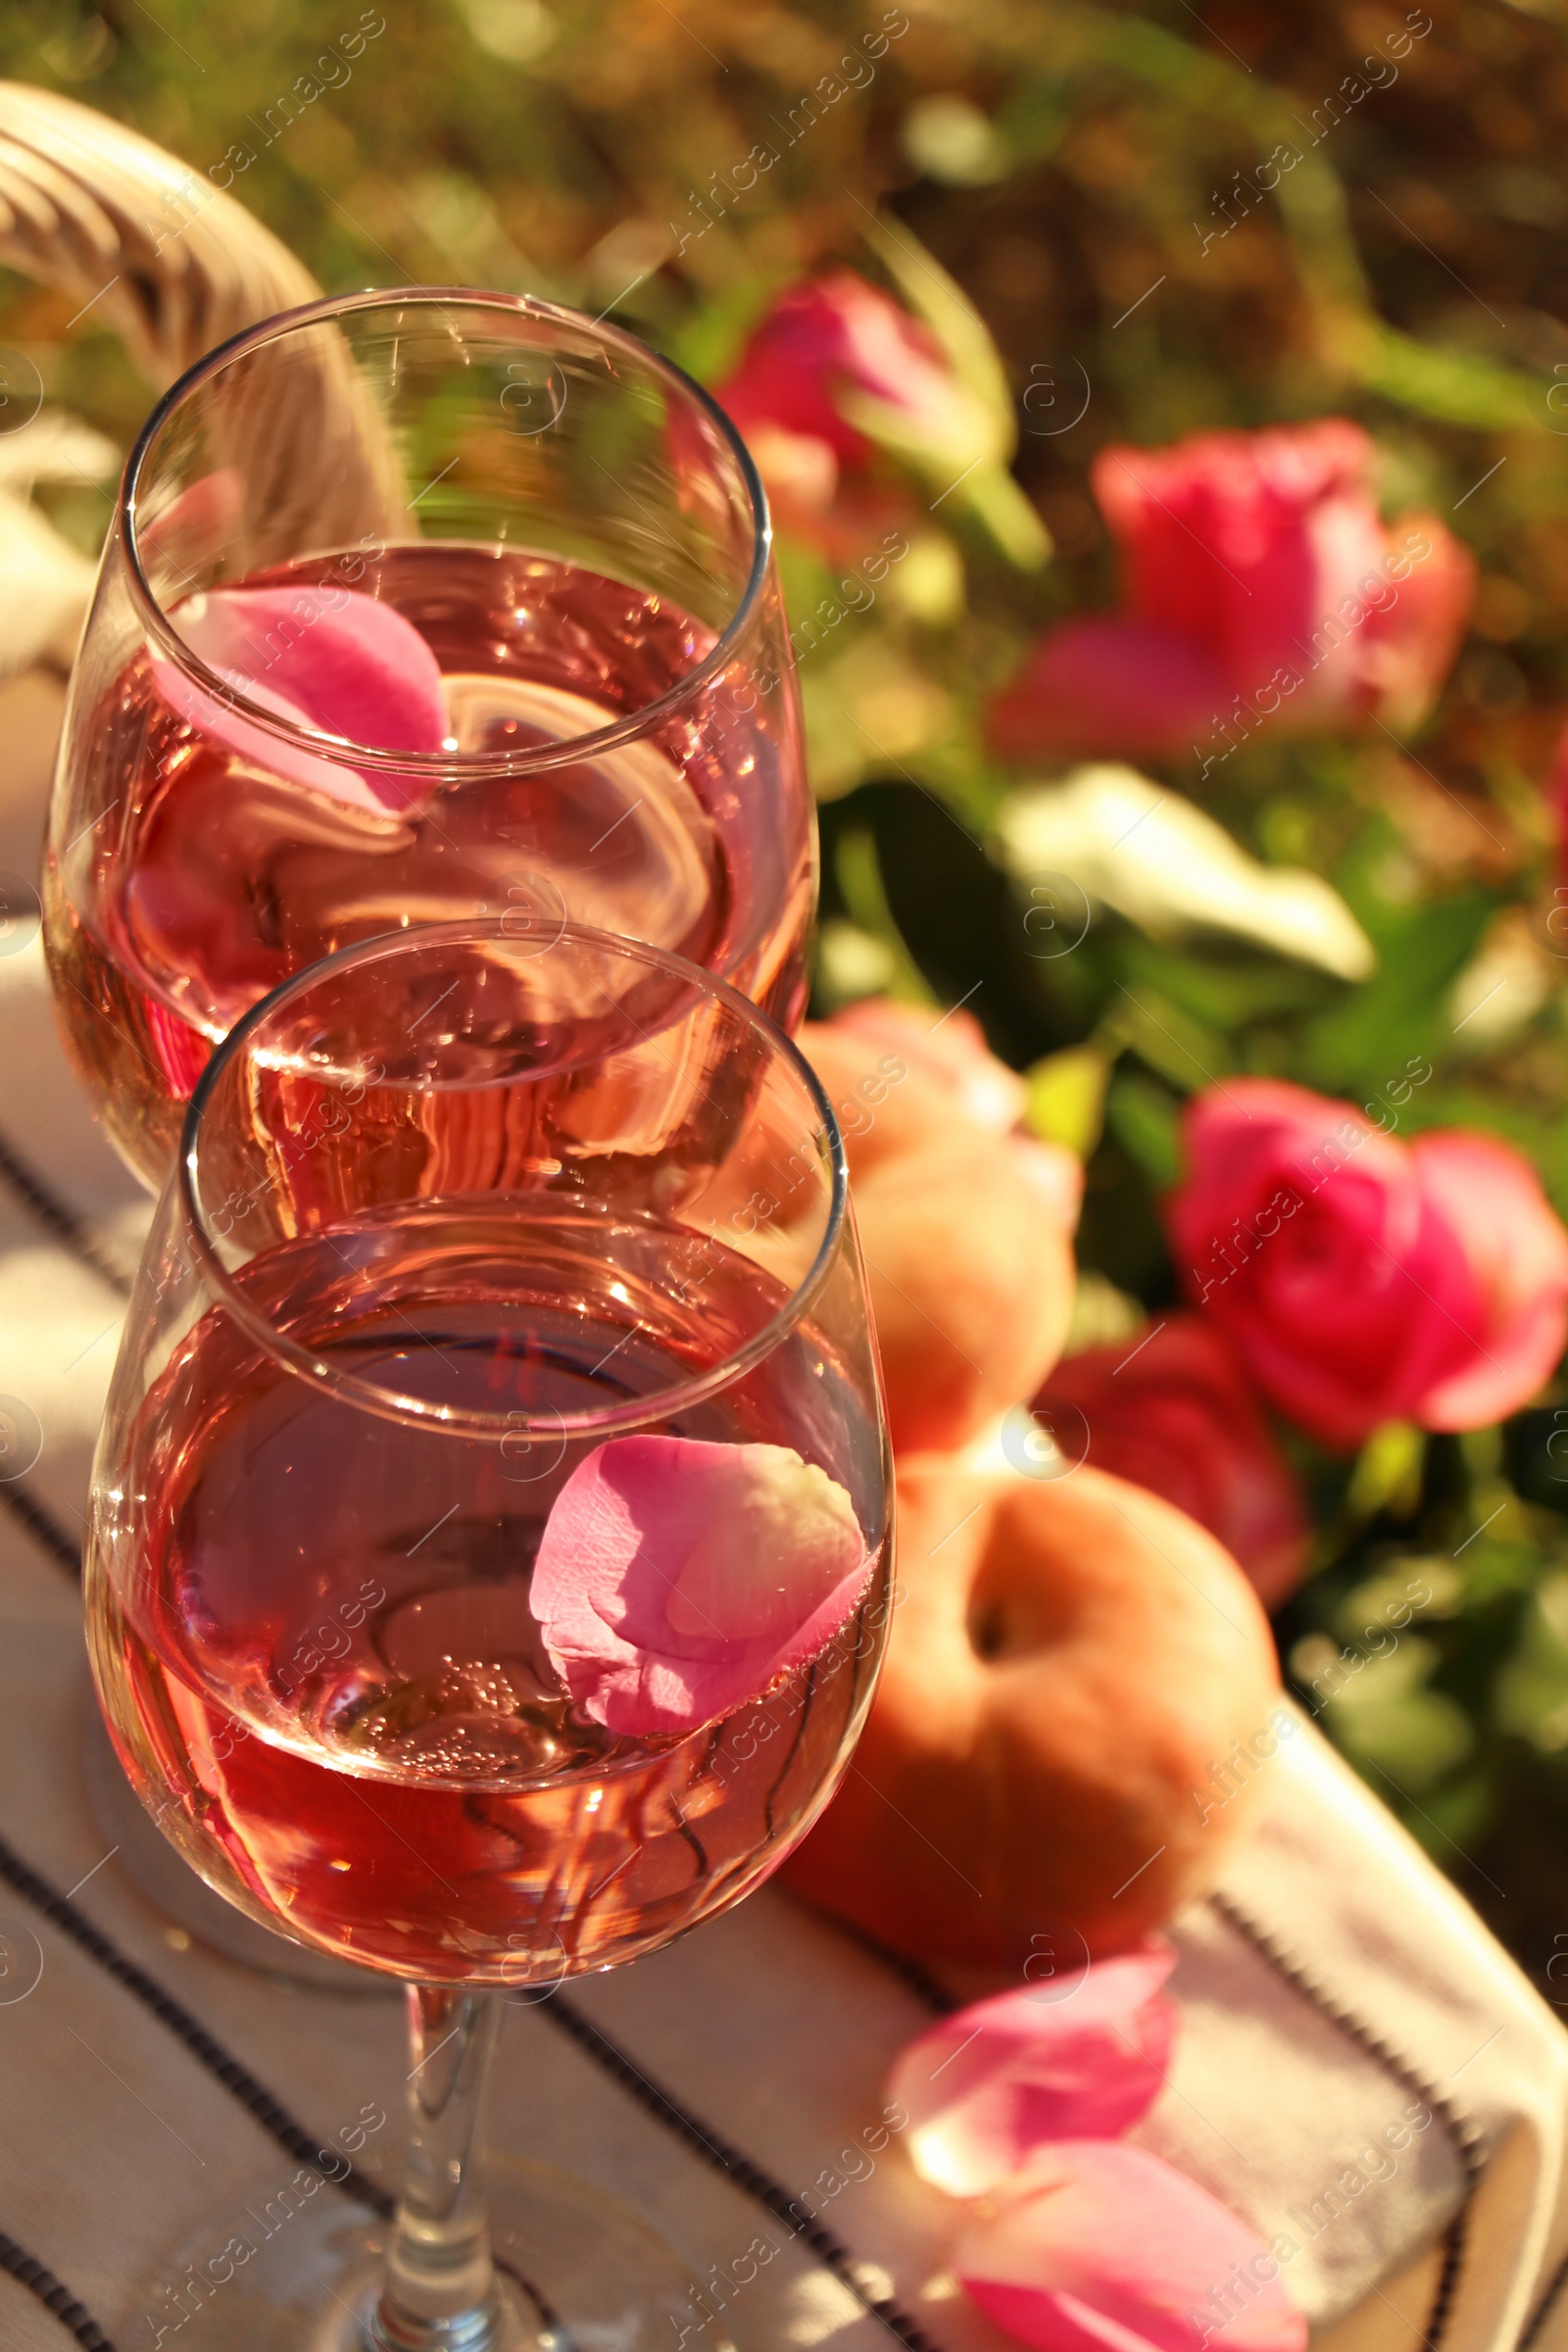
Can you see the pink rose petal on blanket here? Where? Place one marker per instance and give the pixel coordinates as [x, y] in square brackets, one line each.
[995, 2081]
[329, 660]
[1096, 2246]
[675, 1580]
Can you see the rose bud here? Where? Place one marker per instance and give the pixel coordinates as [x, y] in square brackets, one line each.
[1260, 585]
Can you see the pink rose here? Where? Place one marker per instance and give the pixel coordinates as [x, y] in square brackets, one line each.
[1174, 1411]
[949, 1051]
[833, 335]
[1258, 579]
[955, 1072]
[823, 345]
[1362, 1279]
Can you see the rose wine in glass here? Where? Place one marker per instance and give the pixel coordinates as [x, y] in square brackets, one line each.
[349, 1686]
[417, 608]
[489, 1558]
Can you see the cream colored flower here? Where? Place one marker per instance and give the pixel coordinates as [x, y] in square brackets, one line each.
[1132, 844]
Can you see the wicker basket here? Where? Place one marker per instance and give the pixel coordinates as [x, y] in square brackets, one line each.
[107, 218]
[177, 267]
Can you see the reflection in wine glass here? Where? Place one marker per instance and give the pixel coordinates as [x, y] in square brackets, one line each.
[488, 1562]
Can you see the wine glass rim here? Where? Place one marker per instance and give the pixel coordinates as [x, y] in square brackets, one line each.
[396, 1406]
[469, 766]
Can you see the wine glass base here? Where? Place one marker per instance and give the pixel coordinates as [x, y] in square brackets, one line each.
[280, 2272]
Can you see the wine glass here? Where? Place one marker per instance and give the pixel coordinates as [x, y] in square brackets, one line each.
[488, 1561]
[415, 605]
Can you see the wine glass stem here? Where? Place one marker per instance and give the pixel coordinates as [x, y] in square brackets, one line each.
[440, 2292]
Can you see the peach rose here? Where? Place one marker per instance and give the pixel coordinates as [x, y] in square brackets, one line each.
[966, 1227]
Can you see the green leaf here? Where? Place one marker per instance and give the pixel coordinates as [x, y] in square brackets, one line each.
[1066, 1100]
[998, 501]
[1144, 1119]
[1535, 1450]
[963, 335]
[967, 459]
[965, 438]
[851, 963]
[1383, 1714]
[867, 706]
[1498, 1570]
[1169, 1040]
[1451, 1821]
[1228, 992]
[1531, 1694]
[1454, 386]
[708, 344]
[860, 879]
[802, 574]
[1402, 1013]
[1387, 1471]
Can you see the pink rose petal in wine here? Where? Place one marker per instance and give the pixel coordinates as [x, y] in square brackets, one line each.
[330, 661]
[1096, 2246]
[995, 2081]
[676, 1580]
[273, 755]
